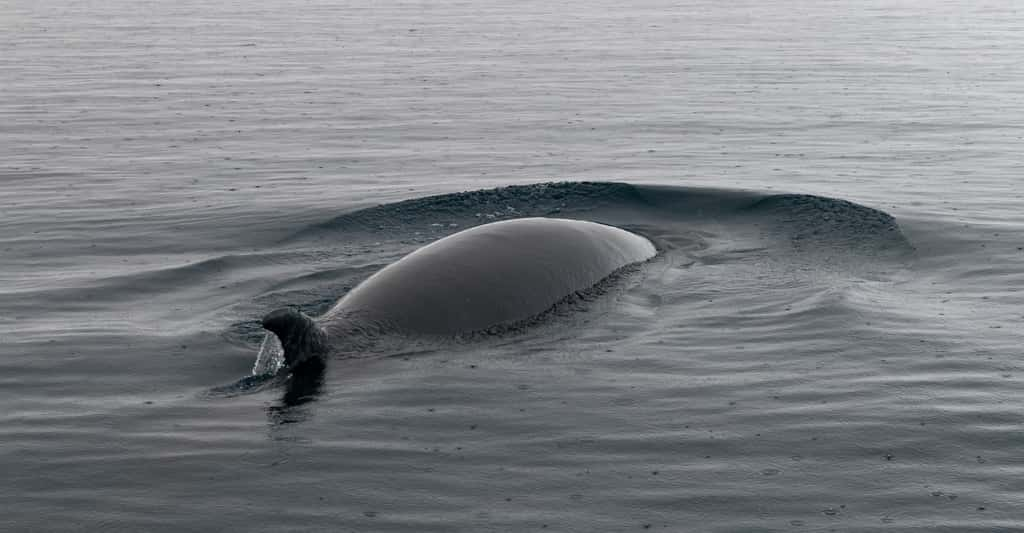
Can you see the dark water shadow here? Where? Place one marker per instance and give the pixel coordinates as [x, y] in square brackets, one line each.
[305, 383]
[302, 384]
[248, 385]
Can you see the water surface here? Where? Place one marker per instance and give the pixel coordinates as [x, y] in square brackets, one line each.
[828, 341]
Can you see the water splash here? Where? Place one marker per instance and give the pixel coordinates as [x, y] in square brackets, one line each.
[270, 358]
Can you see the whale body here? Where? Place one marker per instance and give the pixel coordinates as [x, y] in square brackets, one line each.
[488, 276]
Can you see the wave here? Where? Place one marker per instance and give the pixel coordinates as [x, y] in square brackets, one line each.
[803, 219]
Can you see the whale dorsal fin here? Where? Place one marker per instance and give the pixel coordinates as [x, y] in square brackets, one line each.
[300, 335]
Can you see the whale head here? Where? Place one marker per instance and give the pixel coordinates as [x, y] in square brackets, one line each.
[301, 337]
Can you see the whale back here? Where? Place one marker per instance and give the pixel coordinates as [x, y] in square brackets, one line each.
[494, 274]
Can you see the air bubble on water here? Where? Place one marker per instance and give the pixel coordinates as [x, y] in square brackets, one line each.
[270, 358]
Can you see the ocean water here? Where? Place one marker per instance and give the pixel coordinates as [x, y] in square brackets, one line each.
[829, 339]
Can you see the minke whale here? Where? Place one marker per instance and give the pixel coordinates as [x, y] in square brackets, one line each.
[493, 275]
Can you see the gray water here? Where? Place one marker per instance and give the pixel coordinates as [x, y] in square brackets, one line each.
[828, 341]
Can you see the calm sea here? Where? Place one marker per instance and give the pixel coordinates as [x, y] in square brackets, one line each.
[829, 340]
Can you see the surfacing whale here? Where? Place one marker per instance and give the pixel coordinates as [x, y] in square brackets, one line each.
[484, 277]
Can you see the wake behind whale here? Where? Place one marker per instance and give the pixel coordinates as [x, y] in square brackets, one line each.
[507, 272]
